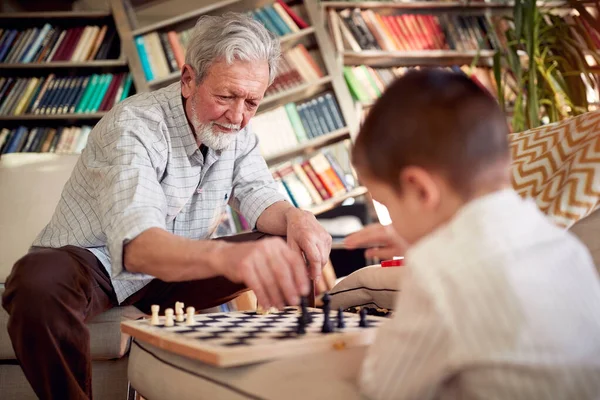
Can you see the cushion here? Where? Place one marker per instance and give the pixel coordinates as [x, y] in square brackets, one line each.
[107, 341]
[556, 164]
[158, 374]
[31, 187]
[371, 286]
[588, 231]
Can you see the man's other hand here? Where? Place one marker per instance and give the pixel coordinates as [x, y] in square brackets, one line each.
[306, 235]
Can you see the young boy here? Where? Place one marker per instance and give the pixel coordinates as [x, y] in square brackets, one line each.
[498, 303]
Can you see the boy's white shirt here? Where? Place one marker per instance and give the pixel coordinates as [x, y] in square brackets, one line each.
[497, 304]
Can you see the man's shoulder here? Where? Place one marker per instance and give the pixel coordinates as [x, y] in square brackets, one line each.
[148, 107]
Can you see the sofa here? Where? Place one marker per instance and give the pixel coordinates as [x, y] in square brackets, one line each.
[31, 186]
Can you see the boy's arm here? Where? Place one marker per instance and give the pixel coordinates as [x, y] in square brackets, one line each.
[409, 357]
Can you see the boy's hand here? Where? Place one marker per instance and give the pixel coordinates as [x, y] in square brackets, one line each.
[381, 241]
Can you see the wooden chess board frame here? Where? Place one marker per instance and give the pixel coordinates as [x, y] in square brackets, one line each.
[221, 356]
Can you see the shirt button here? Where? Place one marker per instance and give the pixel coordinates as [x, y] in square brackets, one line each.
[199, 190]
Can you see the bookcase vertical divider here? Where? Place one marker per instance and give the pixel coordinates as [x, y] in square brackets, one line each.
[122, 22]
[328, 54]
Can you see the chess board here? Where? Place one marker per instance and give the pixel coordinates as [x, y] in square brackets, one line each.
[239, 338]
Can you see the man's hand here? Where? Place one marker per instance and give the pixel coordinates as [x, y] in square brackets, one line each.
[306, 235]
[381, 241]
[269, 267]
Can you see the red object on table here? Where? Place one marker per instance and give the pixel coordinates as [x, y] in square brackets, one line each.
[392, 263]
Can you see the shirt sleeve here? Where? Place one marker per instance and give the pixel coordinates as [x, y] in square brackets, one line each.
[254, 189]
[131, 198]
[408, 359]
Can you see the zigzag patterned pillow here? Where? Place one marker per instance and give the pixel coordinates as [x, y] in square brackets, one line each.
[558, 166]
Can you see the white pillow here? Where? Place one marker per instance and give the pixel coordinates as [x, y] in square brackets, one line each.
[371, 286]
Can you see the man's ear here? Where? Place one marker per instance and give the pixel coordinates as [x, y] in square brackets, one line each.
[188, 81]
[421, 185]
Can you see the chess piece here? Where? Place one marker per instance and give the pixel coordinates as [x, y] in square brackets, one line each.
[306, 316]
[179, 312]
[154, 320]
[301, 328]
[169, 317]
[340, 319]
[327, 328]
[363, 318]
[190, 316]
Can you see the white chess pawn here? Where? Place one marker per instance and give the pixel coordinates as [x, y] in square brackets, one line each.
[169, 317]
[190, 316]
[154, 320]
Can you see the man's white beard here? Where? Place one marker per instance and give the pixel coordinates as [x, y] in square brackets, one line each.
[209, 136]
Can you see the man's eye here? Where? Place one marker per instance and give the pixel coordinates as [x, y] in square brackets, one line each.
[224, 97]
[252, 104]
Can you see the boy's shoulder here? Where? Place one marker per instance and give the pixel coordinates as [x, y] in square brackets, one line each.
[499, 226]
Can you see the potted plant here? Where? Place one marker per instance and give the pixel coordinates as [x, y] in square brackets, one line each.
[547, 54]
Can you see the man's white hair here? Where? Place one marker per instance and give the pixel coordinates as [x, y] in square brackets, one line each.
[230, 37]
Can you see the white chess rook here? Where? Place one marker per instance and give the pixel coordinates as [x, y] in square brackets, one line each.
[154, 320]
[190, 316]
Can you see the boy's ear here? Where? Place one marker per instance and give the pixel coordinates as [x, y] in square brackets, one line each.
[421, 185]
[188, 81]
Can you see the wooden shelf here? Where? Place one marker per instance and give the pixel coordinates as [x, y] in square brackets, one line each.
[336, 201]
[172, 77]
[66, 64]
[291, 39]
[51, 117]
[183, 17]
[428, 5]
[298, 92]
[378, 58]
[311, 145]
[56, 15]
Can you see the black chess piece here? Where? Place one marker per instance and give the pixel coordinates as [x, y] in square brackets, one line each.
[306, 316]
[301, 327]
[363, 318]
[340, 319]
[327, 327]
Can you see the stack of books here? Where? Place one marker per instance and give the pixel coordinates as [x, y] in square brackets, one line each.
[366, 83]
[369, 30]
[312, 181]
[296, 67]
[162, 53]
[279, 18]
[51, 43]
[283, 128]
[61, 140]
[63, 95]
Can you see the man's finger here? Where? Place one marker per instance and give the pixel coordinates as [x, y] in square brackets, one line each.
[314, 258]
[370, 236]
[282, 266]
[253, 282]
[269, 283]
[298, 268]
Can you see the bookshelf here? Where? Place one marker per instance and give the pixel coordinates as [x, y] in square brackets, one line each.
[312, 38]
[59, 71]
[400, 35]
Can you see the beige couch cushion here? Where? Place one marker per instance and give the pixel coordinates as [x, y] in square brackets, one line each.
[588, 231]
[31, 187]
[107, 341]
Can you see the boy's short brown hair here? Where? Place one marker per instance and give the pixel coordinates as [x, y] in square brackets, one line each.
[439, 120]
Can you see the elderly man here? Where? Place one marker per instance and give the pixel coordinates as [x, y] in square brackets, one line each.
[148, 189]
